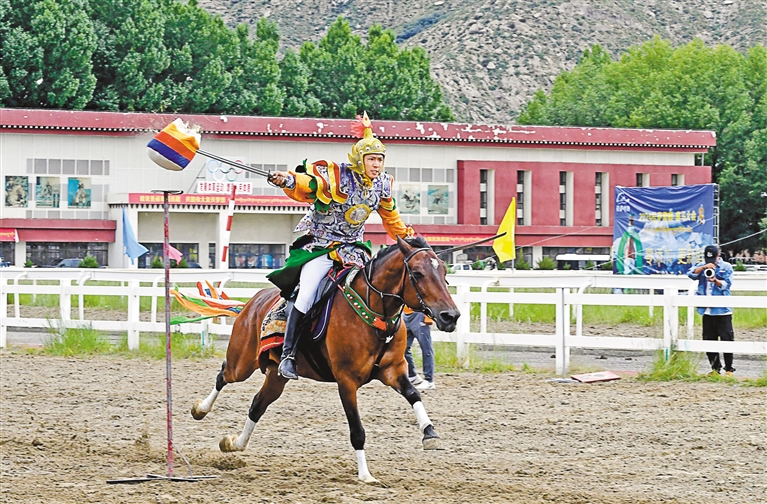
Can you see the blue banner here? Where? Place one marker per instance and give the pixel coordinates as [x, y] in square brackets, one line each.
[661, 229]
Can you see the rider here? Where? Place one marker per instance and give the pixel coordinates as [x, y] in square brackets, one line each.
[342, 197]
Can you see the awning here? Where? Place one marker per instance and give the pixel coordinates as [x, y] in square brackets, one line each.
[67, 235]
[9, 235]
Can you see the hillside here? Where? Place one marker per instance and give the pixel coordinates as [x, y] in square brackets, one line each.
[490, 56]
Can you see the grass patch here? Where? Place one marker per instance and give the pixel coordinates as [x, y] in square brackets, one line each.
[75, 341]
[757, 382]
[152, 346]
[681, 366]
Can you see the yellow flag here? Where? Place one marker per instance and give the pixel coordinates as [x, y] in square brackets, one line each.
[504, 246]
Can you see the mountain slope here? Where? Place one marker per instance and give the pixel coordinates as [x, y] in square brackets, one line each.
[490, 56]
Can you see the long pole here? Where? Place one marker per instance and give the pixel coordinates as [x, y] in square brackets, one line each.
[168, 388]
[168, 360]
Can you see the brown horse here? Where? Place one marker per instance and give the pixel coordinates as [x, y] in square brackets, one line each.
[353, 352]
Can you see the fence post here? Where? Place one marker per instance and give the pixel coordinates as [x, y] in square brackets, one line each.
[80, 282]
[483, 306]
[690, 316]
[155, 283]
[579, 309]
[133, 314]
[3, 311]
[670, 321]
[464, 325]
[563, 324]
[65, 301]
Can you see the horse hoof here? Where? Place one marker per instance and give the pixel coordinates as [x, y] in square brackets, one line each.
[196, 413]
[227, 444]
[369, 480]
[432, 443]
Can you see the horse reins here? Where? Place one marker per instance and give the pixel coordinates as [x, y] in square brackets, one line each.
[368, 273]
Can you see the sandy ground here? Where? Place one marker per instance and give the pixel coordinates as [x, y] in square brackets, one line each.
[69, 424]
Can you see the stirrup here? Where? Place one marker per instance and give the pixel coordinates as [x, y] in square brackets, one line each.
[287, 368]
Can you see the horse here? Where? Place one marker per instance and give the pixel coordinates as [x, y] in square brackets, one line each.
[353, 351]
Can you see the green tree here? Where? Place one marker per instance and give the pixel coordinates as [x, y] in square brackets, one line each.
[130, 55]
[336, 70]
[294, 79]
[46, 54]
[690, 87]
[348, 76]
[400, 85]
[202, 53]
[255, 87]
[5, 8]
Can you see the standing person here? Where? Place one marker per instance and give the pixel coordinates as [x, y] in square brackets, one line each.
[717, 321]
[419, 327]
[342, 197]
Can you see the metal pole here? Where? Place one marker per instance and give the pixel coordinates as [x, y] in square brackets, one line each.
[166, 262]
[168, 381]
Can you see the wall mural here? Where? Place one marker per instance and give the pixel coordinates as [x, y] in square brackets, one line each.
[409, 201]
[79, 192]
[16, 191]
[47, 192]
[438, 199]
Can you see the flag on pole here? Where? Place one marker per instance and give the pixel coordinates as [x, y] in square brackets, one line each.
[174, 253]
[504, 246]
[133, 248]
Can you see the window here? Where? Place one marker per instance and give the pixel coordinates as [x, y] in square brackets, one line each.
[7, 254]
[598, 199]
[563, 199]
[253, 255]
[677, 179]
[188, 251]
[50, 254]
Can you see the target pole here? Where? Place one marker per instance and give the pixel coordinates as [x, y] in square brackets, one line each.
[168, 381]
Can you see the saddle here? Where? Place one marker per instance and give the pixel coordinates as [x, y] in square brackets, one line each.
[273, 326]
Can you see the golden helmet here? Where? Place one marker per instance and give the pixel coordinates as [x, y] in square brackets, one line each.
[368, 144]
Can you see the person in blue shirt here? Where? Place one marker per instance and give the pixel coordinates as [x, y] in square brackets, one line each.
[717, 321]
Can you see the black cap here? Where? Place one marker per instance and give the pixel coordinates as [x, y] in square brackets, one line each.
[710, 253]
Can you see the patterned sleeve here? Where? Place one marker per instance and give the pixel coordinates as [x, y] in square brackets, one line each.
[390, 217]
[301, 187]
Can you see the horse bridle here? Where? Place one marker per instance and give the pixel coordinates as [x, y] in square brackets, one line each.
[368, 271]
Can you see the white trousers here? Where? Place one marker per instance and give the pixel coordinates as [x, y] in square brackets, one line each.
[311, 275]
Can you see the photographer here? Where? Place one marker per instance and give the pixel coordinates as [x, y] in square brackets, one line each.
[714, 277]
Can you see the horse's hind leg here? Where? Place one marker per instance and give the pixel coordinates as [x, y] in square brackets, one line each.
[204, 406]
[270, 391]
[348, 392]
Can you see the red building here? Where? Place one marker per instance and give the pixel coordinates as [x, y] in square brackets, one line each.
[453, 182]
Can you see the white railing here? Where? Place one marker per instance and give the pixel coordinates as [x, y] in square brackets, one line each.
[569, 295]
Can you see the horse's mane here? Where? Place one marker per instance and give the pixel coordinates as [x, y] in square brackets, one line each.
[416, 241]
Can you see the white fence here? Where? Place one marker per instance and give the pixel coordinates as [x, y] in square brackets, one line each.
[569, 296]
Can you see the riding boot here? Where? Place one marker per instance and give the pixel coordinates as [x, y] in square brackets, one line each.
[287, 367]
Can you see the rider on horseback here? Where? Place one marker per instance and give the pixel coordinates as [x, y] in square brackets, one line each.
[342, 197]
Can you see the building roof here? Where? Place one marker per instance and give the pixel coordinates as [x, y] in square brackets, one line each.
[228, 126]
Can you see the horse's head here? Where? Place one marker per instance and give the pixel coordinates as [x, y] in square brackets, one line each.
[425, 287]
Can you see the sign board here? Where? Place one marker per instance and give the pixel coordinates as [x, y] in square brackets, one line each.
[208, 187]
[661, 229]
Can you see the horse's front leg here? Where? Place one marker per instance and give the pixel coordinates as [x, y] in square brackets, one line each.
[396, 377]
[271, 390]
[347, 389]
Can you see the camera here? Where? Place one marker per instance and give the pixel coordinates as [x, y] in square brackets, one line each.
[709, 273]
